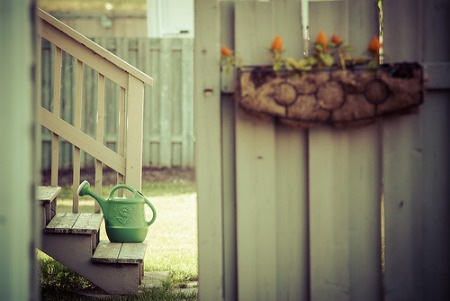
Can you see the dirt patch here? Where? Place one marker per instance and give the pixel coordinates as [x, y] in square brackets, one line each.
[149, 174]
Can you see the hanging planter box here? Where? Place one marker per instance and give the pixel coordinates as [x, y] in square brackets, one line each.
[332, 96]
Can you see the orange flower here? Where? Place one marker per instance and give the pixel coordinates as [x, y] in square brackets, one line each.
[322, 40]
[225, 51]
[336, 40]
[374, 45]
[277, 44]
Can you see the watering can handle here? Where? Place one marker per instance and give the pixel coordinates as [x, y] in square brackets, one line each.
[122, 186]
[151, 207]
[136, 193]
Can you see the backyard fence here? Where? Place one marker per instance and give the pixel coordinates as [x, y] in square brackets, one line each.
[168, 139]
[322, 214]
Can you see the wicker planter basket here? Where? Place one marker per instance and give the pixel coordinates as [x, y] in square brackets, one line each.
[333, 96]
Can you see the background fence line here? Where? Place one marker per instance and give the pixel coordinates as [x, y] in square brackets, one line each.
[168, 109]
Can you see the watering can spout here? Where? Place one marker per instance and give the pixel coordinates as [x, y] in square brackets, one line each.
[85, 189]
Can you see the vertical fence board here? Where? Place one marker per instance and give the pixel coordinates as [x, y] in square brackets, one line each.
[147, 62]
[329, 183]
[255, 163]
[292, 214]
[345, 184]
[403, 164]
[364, 175]
[364, 211]
[227, 110]
[329, 214]
[166, 103]
[436, 144]
[436, 208]
[187, 102]
[209, 167]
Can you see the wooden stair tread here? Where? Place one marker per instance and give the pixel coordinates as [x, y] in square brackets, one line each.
[113, 252]
[47, 194]
[75, 223]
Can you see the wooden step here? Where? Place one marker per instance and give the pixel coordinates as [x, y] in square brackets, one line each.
[75, 251]
[75, 223]
[47, 195]
[122, 254]
[113, 252]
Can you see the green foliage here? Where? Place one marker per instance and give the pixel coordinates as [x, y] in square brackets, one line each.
[56, 277]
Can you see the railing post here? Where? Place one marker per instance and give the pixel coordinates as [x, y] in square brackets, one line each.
[134, 133]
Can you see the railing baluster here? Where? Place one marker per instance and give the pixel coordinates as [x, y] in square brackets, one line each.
[100, 134]
[57, 64]
[77, 123]
[121, 136]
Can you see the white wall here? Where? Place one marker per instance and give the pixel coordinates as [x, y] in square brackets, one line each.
[170, 18]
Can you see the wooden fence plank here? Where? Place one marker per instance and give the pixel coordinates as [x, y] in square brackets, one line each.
[403, 164]
[255, 165]
[292, 214]
[353, 271]
[187, 103]
[365, 213]
[364, 175]
[436, 207]
[165, 104]
[329, 183]
[209, 165]
[329, 214]
[436, 144]
[227, 110]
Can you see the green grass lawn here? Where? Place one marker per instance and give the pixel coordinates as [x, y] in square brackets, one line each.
[172, 245]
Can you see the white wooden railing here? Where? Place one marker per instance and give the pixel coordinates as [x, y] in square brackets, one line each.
[126, 160]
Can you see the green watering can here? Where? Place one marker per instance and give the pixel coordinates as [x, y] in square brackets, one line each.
[124, 217]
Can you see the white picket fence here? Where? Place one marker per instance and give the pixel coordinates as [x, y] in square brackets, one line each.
[168, 139]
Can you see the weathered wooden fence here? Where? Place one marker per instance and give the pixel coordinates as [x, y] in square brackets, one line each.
[322, 214]
[169, 111]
